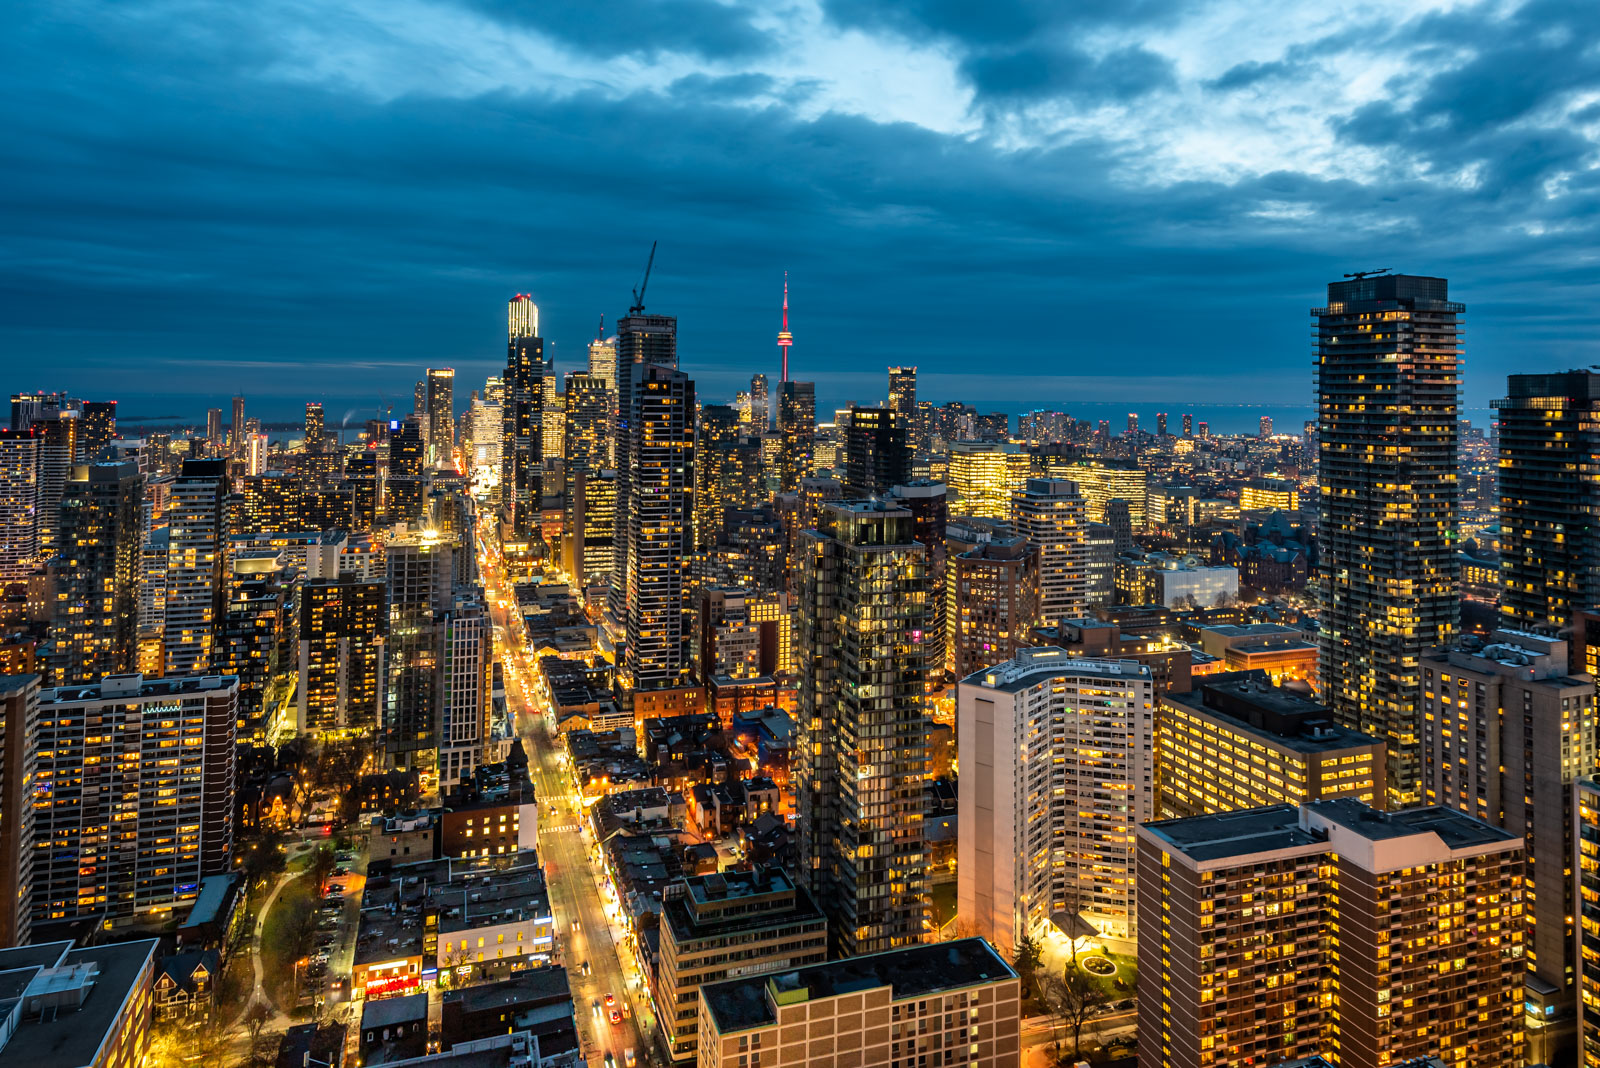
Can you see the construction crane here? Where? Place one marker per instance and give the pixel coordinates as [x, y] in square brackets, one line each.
[638, 294]
[1359, 275]
[600, 331]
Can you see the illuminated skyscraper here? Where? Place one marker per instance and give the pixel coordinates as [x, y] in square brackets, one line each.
[1102, 481]
[760, 402]
[522, 440]
[643, 341]
[19, 503]
[1133, 424]
[1188, 425]
[994, 602]
[97, 428]
[214, 427]
[1053, 515]
[57, 429]
[94, 617]
[903, 394]
[1549, 498]
[1388, 380]
[403, 488]
[315, 440]
[468, 663]
[862, 730]
[236, 429]
[985, 475]
[19, 766]
[797, 428]
[197, 550]
[1161, 424]
[421, 571]
[341, 630]
[876, 452]
[586, 453]
[603, 361]
[718, 438]
[441, 414]
[660, 527]
[1266, 426]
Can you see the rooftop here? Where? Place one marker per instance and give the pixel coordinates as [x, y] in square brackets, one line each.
[136, 687]
[1230, 834]
[1456, 829]
[770, 899]
[1022, 670]
[74, 1037]
[914, 972]
[1249, 702]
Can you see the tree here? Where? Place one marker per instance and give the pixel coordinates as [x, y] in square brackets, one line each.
[1027, 960]
[303, 780]
[322, 865]
[340, 768]
[262, 861]
[1072, 998]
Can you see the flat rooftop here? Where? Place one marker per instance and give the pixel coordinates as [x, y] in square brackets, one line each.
[1457, 829]
[137, 688]
[74, 1037]
[1229, 834]
[525, 987]
[1286, 719]
[917, 971]
[1029, 665]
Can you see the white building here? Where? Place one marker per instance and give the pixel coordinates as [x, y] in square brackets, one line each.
[1053, 515]
[468, 663]
[1057, 770]
[197, 551]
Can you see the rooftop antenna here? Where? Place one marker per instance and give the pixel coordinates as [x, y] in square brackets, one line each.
[638, 294]
[600, 331]
[1359, 275]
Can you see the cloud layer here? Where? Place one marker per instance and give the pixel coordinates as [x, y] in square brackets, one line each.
[299, 199]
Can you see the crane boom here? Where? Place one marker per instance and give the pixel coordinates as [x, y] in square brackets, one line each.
[638, 294]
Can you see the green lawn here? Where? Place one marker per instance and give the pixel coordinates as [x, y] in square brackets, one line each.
[944, 903]
[1127, 972]
[278, 954]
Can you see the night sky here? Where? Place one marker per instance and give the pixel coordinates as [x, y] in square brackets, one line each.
[1042, 204]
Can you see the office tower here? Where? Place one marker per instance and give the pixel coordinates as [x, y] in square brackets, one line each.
[1388, 376]
[441, 414]
[736, 923]
[959, 999]
[594, 527]
[1161, 424]
[1266, 426]
[214, 427]
[603, 361]
[314, 435]
[1102, 567]
[19, 766]
[929, 505]
[97, 429]
[1105, 480]
[797, 431]
[1506, 732]
[861, 752]
[420, 580]
[1051, 514]
[342, 626]
[760, 403]
[553, 419]
[28, 408]
[404, 489]
[903, 399]
[135, 797]
[586, 452]
[1119, 517]
[57, 431]
[271, 501]
[985, 475]
[1549, 500]
[19, 504]
[660, 527]
[236, 428]
[196, 563]
[1056, 770]
[522, 436]
[255, 453]
[485, 422]
[994, 602]
[1276, 933]
[251, 639]
[1188, 425]
[94, 617]
[361, 486]
[1205, 431]
[642, 341]
[1269, 494]
[718, 438]
[876, 452]
[468, 665]
[1237, 740]
[1133, 424]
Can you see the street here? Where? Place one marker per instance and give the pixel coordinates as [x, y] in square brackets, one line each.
[584, 932]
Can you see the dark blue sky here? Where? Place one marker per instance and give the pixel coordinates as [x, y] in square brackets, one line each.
[1040, 203]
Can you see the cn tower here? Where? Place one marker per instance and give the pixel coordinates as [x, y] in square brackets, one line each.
[785, 339]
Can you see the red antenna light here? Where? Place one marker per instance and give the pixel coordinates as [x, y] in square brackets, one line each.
[785, 339]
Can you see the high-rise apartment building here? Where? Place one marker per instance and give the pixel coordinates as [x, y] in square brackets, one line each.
[862, 727]
[342, 626]
[1586, 874]
[315, 436]
[734, 923]
[903, 400]
[251, 640]
[953, 1003]
[760, 403]
[877, 454]
[797, 431]
[1052, 514]
[441, 414]
[522, 431]
[196, 562]
[1102, 481]
[1549, 498]
[555, 413]
[19, 766]
[642, 341]
[1188, 425]
[660, 527]
[468, 662]
[214, 428]
[19, 504]
[97, 428]
[719, 470]
[993, 602]
[1276, 933]
[603, 361]
[405, 485]
[1161, 424]
[421, 584]
[1237, 740]
[57, 428]
[1266, 426]
[1388, 380]
[1057, 768]
[742, 633]
[135, 798]
[94, 615]
[236, 430]
[985, 476]
[929, 505]
[1506, 733]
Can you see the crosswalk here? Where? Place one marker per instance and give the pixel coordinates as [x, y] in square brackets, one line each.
[570, 825]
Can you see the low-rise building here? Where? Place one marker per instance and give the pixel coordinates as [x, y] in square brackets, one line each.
[77, 1008]
[729, 924]
[948, 1003]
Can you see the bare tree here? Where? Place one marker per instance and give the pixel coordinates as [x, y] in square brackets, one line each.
[1072, 998]
[341, 766]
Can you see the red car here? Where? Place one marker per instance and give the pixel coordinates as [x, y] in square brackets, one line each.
[616, 1017]
[611, 999]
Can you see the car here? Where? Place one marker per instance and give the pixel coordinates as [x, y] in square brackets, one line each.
[616, 1017]
[611, 1062]
[584, 967]
[596, 1004]
[611, 999]
[628, 1058]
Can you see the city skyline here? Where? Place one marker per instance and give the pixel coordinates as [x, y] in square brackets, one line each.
[1010, 176]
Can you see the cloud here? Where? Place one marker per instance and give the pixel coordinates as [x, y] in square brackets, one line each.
[704, 28]
[1038, 72]
[1251, 73]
